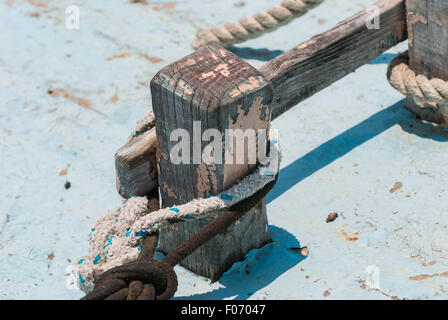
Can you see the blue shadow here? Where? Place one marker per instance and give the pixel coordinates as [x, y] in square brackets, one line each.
[255, 54]
[385, 58]
[342, 144]
[260, 268]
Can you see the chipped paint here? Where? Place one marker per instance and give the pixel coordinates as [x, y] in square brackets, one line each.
[190, 62]
[305, 44]
[79, 101]
[429, 276]
[152, 59]
[185, 87]
[206, 75]
[168, 191]
[119, 56]
[250, 120]
[223, 69]
[412, 20]
[348, 237]
[222, 52]
[251, 84]
[206, 180]
[398, 185]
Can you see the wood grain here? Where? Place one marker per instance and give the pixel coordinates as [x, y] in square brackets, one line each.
[221, 91]
[136, 174]
[328, 57]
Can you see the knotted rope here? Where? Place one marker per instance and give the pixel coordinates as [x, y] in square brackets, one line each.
[149, 279]
[144, 279]
[117, 236]
[252, 27]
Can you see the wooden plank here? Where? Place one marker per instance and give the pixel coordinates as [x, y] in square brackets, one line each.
[134, 169]
[209, 89]
[328, 57]
[428, 49]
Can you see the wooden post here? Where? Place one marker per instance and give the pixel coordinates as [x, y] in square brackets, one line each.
[209, 89]
[428, 50]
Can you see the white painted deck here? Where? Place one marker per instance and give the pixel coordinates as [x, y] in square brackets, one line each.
[344, 150]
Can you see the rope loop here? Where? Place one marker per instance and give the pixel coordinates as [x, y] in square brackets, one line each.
[149, 280]
[428, 92]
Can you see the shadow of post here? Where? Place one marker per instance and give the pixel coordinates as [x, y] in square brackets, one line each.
[255, 54]
[342, 144]
[259, 268]
[262, 266]
[385, 58]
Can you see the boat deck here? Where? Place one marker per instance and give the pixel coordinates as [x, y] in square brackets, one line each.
[70, 98]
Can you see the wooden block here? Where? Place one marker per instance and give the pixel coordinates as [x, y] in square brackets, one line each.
[134, 169]
[428, 49]
[220, 91]
[319, 62]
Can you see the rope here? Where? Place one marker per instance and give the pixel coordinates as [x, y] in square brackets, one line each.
[149, 279]
[116, 237]
[252, 27]
[418, 87]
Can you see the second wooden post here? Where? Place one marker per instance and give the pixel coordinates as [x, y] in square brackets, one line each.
[195, 101]
[428, 50]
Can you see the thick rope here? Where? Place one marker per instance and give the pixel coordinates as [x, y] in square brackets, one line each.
[252, 27]
[116, 237]
[418, 87]
[149, 279]
[218, 225]
[144, 279]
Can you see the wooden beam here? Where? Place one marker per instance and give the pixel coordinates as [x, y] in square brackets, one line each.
[134, 169]
[209, 89]
[428, 50]
[328, 57]
[308, 68]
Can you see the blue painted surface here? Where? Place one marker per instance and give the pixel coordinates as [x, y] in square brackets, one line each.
[344, 150]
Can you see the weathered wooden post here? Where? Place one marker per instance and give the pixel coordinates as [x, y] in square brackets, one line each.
[209, 89]
[221, 91]
[428, 50]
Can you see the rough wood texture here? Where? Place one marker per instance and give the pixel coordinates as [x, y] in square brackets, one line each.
[317, 63]
[428, 49]
[328, 57]
[134, 169]
[221, 91]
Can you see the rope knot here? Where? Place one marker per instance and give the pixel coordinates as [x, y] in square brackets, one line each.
[149, 280]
